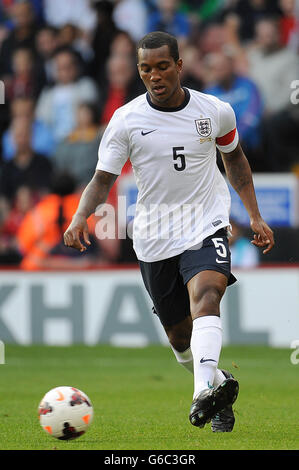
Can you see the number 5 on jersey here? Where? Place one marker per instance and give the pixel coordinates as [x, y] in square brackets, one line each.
[179, 158]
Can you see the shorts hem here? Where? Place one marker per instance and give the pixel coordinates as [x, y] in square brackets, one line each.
[168, 322]
[186, 279]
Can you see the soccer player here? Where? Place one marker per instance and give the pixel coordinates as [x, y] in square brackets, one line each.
[180, 229]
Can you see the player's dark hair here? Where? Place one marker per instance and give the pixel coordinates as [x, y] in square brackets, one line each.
[157, 39]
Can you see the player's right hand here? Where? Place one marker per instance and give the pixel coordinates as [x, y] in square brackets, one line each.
[76, 230]
[263, 235]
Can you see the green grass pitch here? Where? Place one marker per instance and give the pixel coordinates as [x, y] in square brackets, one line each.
[141, 398]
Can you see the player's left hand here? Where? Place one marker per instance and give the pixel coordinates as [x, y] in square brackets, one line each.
[263, 235]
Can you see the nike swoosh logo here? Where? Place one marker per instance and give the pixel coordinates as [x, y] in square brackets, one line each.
[205, 360]
[220, 261]
[148, 132]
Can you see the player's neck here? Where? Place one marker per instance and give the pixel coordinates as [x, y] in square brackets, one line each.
[174, 101]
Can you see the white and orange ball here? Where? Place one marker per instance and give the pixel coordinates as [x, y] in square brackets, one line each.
[65, 412]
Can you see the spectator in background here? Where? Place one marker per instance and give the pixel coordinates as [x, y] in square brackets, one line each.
[104, 33]
[169, 19]
[46, 46]
[40, 235]
[123, 45]
[4, 27]
[215, 36]
[38, 7]
[249, 12]
[271, 66]
[243, 253]
[234, 45]
[211, 38]
[78, 153]
[69, 35]
[122, 85]
[26, 168]
[241, 93]
[274, 68]
[4, 14]
[57, 105]
[25, 79]
[21, 36]
[42, 139]
[41, 230]
[192, 74]
[131, 16]
[23, 202]
[78, 13]
[287, 21]
[5, 11]
[281, 139]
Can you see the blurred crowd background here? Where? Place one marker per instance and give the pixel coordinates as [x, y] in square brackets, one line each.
[67, 65]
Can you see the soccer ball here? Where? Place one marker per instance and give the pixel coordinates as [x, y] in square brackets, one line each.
[65, 413]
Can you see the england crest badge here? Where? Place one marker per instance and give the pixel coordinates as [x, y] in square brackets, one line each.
[203, 127]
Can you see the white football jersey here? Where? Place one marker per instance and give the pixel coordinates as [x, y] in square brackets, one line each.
[182, 196]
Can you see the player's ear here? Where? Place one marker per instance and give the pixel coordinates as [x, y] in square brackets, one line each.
[137, 59]
[179, 65]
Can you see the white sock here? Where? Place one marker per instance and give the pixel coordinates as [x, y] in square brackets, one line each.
[184, 358]
[219, 378]
[206, 342]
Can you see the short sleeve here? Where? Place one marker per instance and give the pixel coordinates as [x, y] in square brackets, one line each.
[228, 137]
[114, 146]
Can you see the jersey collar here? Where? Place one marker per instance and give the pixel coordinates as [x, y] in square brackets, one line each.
[171, 110]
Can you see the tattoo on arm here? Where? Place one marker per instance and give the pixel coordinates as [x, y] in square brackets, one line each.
[96, 192]
[238, 172]
[237, 168]
[240, 177]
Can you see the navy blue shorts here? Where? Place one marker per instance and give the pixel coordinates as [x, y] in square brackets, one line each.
[166, 280]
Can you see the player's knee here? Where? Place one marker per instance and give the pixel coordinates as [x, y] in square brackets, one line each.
[206, 301]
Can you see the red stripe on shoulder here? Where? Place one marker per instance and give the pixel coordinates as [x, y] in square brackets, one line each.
[227, 138]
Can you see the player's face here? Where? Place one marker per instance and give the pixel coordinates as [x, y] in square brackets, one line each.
[161, 76]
